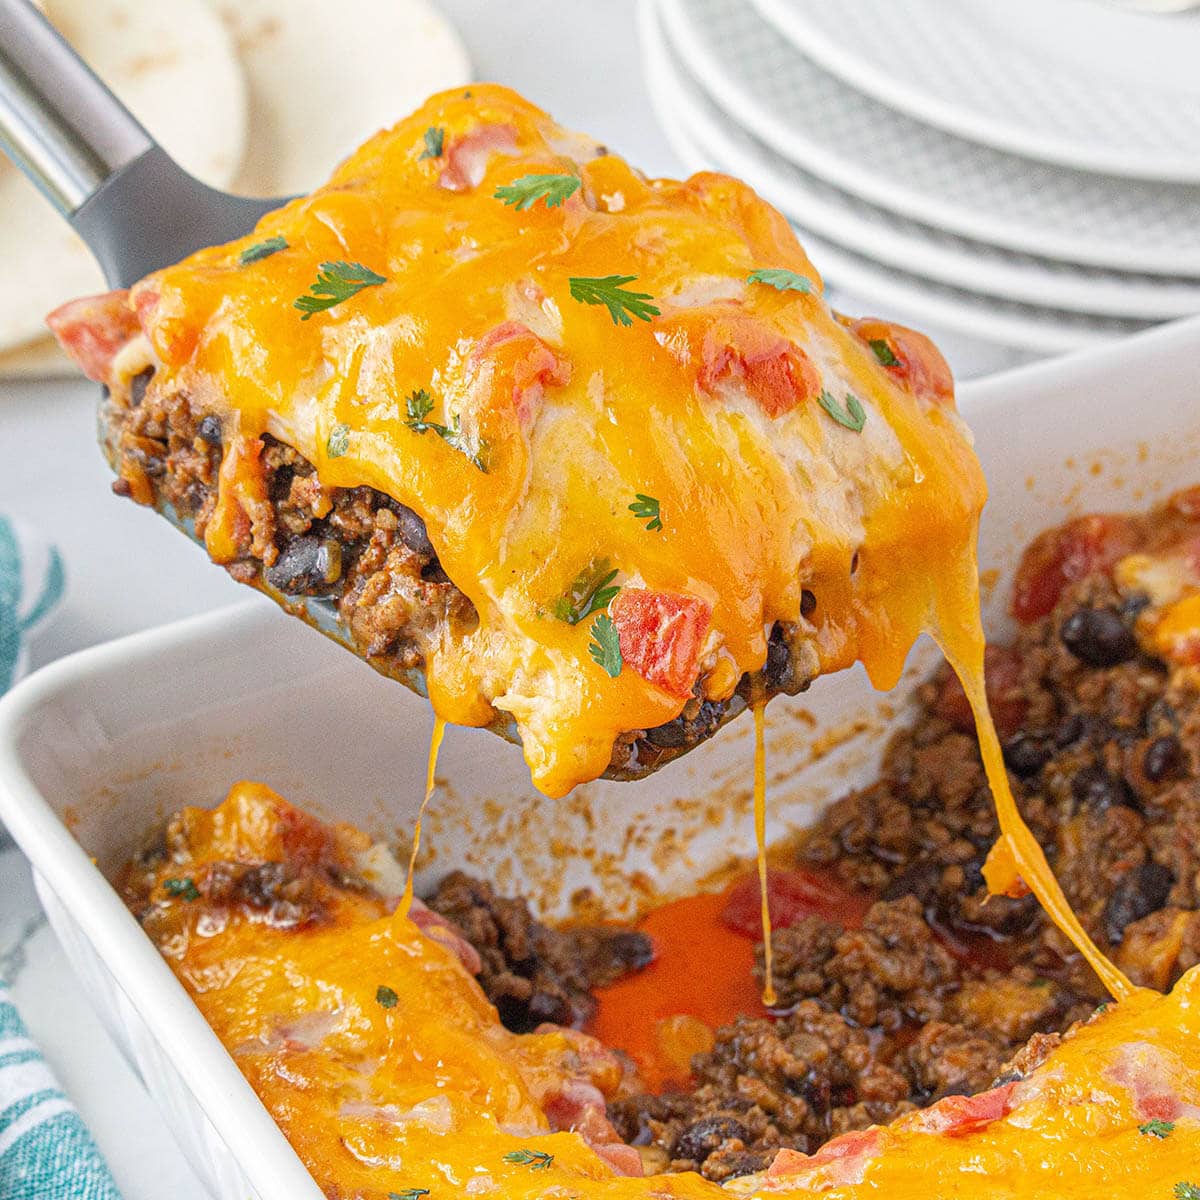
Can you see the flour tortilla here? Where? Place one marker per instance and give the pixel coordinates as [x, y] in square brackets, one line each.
[173, 63]
[324, 75]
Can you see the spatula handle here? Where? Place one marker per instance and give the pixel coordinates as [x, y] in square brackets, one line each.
[58, 121]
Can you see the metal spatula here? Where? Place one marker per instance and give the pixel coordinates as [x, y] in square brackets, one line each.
[135, 207]
[138, 211]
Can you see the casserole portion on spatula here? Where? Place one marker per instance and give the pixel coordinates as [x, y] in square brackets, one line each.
[584, 456]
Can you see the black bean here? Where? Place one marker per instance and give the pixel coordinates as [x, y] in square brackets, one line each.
[1163, 758]
[138, 385]
[1094, 788]
[1025, 755]
[546, 1006]
[210, 430]
[632, 949]
[411, 529]
[684, 731]
[777, 670]
[432, 572]
[1098, 637]
[309, 566]
[1142, 891]
[808, 603]
[700, 1139]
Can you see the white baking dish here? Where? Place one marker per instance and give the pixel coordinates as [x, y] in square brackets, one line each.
[98, 747]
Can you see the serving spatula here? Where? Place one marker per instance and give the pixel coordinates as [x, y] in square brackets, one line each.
[138, 210]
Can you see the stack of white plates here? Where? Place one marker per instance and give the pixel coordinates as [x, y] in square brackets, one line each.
[1025, 172]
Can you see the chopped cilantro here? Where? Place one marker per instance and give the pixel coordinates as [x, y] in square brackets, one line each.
[1157, 1128]
[336, 281]
[339, 440]
[852, 416]
[525, 192]
[592, 591]
[262, 250]
[610, 291]
[645, 508]
[185, 889]
[435, 141]
[883, 352]
[605, 646]
[386, 997]
[419, 405]
[535, 1160]
[781, 280]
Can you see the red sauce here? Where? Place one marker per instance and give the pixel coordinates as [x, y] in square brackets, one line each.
[704, 955]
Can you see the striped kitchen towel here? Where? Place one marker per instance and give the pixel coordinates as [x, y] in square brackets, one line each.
[46, 1152]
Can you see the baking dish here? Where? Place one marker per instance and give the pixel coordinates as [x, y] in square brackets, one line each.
[98, 747]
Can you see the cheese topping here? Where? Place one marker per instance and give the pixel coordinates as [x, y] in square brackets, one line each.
[476, 385]
[376, 1051]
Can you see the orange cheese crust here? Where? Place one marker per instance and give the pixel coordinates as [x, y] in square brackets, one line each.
[419, 1086]
[546, 418]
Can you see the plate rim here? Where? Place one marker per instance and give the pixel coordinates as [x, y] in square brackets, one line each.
[903, 249]
[852, 178]
[859, 73]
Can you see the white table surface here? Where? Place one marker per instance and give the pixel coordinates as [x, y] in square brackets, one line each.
[577, 58]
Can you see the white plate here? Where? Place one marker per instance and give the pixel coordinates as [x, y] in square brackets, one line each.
[899, 242]
[899, 164]
[97, 748]
[918, 300]
[1074, 82]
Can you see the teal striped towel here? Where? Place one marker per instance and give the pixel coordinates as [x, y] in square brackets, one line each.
[31, 588]
[46, 1152]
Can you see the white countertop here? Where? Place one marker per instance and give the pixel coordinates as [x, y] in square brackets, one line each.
[581, 61]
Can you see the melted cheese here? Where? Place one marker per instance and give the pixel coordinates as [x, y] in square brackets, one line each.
[710, 407]
[432, 1092]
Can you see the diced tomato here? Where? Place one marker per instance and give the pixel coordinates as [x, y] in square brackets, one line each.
[775, 372]
[849, 1153]
[1002, 670]
[624, 1160]
[791, 895]
[919, 366]
[661, 635]
[1064, 555]
[467, 157]
[93, 329]
[519, 367]
[954, 1116]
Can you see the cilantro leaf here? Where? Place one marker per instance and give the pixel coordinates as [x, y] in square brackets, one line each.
[605, 646]
[645, 508]
[592, 591]
[1187, 1191]
[185, 888]
[1157, 1128]
[339, 440]
[883, 352]
[408, 1194]
[260, 250]
[435, 141]
[419, 405]
[385, 997]
[336, 281]
[852, 416]
[781, 280]
[525, 192]
[610, 291]
[535, 1160]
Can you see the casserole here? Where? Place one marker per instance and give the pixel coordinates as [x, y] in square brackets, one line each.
[106, 743]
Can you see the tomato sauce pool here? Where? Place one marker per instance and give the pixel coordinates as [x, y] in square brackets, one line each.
[701, 976]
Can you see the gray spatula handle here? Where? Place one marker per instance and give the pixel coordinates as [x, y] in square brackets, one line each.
[135, 207]
[58, 121]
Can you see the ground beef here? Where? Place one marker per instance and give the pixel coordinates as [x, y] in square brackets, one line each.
[533, 973]
[365, 552]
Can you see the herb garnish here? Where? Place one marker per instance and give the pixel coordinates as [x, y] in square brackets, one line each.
[592, 591]
[386, 997]
[1187, 1191]
[609, 290]
[646, 508]
[535, 1160]
[852, 416]
[409, 1194]
[262, 250]
[605, 646]
[336, 281]
[883, 352]
[184, 888]
[529, 189]
[339, 440]
[781, 279]
[1157, 1128]
[419, 405]
[435, 140]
